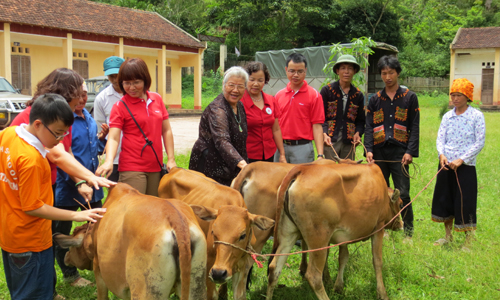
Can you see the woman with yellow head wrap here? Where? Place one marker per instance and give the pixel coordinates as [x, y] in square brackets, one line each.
[460, 139]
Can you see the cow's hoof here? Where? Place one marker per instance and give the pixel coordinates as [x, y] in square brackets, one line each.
[339, 289]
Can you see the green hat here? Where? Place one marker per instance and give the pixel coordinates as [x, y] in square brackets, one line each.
[346, 59]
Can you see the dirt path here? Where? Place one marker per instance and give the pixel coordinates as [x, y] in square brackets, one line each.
[185, 130]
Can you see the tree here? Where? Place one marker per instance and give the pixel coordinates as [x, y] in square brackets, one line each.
[429, 27]
[373, 17]
[360, 48]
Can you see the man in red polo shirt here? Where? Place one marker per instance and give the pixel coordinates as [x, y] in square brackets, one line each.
[302, 114]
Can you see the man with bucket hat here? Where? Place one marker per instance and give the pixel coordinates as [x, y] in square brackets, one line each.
[344, 111]
[106, 99]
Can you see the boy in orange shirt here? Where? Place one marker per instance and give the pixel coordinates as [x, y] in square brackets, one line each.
[26, 199]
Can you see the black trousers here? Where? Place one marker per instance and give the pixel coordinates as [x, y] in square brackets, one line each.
[401, 182]
[115, 175]
[64, 227]
[270, 159]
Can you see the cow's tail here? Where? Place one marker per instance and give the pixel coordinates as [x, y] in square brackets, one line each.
[183, 238]
[282, 201]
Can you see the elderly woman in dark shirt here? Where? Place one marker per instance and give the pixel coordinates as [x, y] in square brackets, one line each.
[220, 151]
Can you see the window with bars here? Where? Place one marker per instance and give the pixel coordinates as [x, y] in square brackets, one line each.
[21, 73]
[168, 80]
[81, 67]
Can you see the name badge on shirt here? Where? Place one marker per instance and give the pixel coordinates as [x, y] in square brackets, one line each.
[269, 111]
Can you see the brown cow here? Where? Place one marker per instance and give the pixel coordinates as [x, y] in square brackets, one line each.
[143, 248]
[258, 183]
[230, 222]
[325, 204]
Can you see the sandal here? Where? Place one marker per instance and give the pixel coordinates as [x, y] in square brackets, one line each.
[81, 282]
[441, 242]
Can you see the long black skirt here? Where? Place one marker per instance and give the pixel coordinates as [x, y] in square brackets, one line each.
[456, 199]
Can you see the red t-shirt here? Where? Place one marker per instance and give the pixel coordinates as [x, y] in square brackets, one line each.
[24, 118]
[299, 111]
[260, 140]
[150, 115]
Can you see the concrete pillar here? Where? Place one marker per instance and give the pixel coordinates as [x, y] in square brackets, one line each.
[68, 51]
[223, 56]
[496, 78]
[205, 43]
[198, 71]
[5, 44]
[162, 72]
[453, 58]
[119, 49]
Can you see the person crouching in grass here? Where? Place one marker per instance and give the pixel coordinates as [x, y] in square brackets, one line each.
[26, 199]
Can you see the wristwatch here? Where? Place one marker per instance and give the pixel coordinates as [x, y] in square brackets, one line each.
[321, 155]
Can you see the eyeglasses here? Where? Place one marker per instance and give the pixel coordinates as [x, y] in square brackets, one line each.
[58, 137]
[232, 86]
[135, 83]
[299, 72]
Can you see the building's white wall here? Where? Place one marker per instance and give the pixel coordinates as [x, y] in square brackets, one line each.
[471, 66]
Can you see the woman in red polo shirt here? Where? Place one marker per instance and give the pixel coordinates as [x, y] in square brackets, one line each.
[138, 164]
[264, 133]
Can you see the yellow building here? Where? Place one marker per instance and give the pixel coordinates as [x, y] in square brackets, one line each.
[475, 55]
[38, 36]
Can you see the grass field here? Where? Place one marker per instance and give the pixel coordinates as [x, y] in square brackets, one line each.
[417, 271]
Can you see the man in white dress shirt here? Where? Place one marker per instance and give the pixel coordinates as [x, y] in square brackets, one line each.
[106, 99]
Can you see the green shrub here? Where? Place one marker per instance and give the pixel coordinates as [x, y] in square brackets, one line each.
[188, 84]
[211, 82]
[443, 108]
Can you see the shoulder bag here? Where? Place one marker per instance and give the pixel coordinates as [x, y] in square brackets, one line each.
[148, 143]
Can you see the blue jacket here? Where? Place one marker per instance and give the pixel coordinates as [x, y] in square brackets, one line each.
[85, 146]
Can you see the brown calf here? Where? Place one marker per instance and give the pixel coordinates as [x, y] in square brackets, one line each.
[224, 217]
[143, 248]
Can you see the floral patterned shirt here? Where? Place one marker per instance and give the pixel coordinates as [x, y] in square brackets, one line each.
[461, 136]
